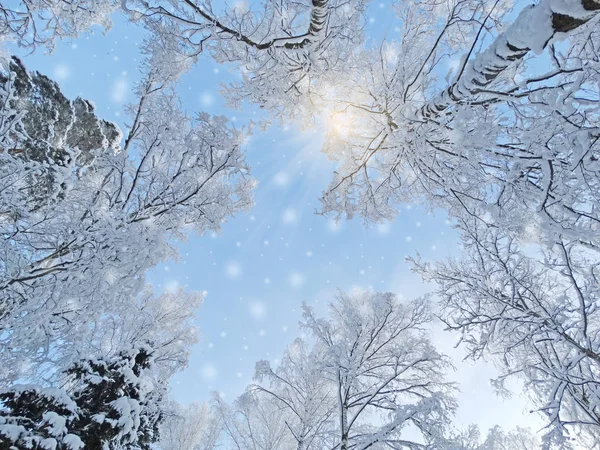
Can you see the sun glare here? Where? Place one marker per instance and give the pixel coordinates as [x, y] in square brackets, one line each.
[339, 124]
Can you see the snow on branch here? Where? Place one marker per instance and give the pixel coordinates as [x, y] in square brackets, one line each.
[535, 27]
[106, 218]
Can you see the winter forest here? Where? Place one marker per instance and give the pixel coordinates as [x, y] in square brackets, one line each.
[299, 224]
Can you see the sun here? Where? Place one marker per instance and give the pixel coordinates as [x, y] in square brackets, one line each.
[339, 124]
[342, 123]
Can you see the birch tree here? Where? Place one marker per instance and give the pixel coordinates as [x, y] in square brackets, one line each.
[524, 141]
[309, 60]
[510, 150]
[535, 28]
[507, 145]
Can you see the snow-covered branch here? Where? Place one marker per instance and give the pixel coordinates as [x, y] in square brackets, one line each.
[535, 313]
[109, 222]
[535, 27]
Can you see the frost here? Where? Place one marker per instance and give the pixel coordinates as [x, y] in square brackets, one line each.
[508, 148]
[114, 234]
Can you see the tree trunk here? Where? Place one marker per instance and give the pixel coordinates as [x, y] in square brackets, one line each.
[343, 415]
[531, 31]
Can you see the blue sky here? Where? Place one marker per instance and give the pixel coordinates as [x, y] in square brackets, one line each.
[263, 264]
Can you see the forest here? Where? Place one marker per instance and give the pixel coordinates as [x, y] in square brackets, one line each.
[484, 111]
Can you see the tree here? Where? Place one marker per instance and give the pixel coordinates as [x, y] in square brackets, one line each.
[253, 422]
[51, 136]
[501, 148]
[298, 386]
[115, 219]
[306, 59]
[108, 404]
[367, 377]
[496, 439]
[510, 150]
[282, 49]
[189, 427]
[533, 30]
[536, 314]
[379, 363]
[167, 320]
[371, 374]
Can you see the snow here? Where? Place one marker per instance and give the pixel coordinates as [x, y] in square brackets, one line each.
[72, 442]
[517, 154]
[56, 423]
[48, 444]
[12, 432]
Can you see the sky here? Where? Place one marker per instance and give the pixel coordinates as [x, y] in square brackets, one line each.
[262, 265]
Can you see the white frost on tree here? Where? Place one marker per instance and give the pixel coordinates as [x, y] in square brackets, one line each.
[30, 23]
[189, 427]
[68, 262]
[365, 377]
[298, 386]
[166, 320]
[253, 422]
[381, 364]
[537, 314]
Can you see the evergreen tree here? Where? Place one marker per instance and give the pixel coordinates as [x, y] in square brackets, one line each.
[106, 404]
[54, 133]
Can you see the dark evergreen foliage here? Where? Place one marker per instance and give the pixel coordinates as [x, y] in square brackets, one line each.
[106, 404]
